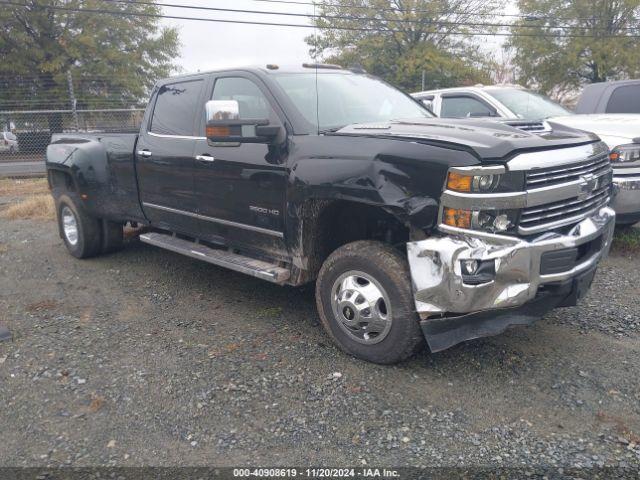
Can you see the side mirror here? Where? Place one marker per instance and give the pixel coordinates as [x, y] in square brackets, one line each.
[428, 103]
[224, 125]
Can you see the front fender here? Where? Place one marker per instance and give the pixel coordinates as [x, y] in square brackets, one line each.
[377, 182]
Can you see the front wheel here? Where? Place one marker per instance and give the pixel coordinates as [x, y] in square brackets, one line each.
[365, 301]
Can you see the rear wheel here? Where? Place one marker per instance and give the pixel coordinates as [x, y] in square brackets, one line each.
[365, 302]
[80, 232]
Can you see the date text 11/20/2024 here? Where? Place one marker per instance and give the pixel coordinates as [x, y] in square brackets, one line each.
[315, 472]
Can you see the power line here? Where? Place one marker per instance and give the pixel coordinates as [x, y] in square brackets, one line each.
[401, 10]
[297, 25]
[348, 17]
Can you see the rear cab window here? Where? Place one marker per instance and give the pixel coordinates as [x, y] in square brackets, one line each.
[176, 107]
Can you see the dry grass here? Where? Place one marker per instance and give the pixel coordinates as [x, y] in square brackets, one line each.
[33, 199]
[13, 187]
[37, 207]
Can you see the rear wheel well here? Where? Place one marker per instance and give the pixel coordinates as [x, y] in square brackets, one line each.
[60, 181]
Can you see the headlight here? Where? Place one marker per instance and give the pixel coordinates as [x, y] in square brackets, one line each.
[625, 153]
[485, 198]
[461, 182]
[494, 221]
[477, 182]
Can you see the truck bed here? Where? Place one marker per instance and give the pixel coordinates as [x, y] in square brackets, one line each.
[107, 170]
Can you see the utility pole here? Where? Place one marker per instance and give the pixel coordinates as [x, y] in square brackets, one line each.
[424, 77]
[72, 98]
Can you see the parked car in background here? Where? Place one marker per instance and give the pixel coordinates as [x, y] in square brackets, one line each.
[412, 228]
[8, 142]
[536, 113]
[610, 97]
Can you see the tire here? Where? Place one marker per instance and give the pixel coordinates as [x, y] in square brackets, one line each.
[369, 266]
[112, 237]
[87, 241]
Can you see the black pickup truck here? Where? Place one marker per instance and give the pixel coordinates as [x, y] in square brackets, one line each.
[413, 228]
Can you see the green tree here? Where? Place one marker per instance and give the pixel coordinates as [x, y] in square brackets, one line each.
[399, 39]
[114, 59]
[595, 45]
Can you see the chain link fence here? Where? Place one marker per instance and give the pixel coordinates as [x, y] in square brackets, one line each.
[33, 107]
[25, 134]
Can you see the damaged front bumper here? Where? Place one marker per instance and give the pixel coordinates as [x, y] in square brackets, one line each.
[517, 281]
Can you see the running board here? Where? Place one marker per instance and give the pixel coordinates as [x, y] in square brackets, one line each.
[232, 261]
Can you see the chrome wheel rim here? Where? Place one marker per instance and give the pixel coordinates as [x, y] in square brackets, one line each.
[69, 226]
[361, 307]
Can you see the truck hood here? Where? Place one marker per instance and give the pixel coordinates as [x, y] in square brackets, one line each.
[487, 139]
[613, 129]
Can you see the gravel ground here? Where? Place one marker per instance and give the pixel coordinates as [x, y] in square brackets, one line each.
[145, 357]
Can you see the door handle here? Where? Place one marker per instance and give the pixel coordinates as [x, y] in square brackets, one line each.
[205, 158]
[144, 153]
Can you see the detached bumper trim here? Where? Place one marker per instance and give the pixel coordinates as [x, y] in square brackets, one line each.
[435, 265]
[443, 333]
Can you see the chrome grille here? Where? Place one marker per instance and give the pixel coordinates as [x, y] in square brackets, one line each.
[558, 175]
[565, 212]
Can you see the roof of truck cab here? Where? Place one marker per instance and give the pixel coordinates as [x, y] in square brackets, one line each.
[263, 70]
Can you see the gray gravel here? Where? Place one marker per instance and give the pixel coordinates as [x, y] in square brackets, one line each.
[145, 357]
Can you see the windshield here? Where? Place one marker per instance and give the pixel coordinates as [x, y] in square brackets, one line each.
[344, 99]
[528, 105]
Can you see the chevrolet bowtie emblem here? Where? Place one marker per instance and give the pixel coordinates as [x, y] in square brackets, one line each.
[588, 183]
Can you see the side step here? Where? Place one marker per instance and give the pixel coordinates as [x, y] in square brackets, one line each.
[223, 258]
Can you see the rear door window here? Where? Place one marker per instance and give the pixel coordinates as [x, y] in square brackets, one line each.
[625, 99]
[176, 109]
[464, 106]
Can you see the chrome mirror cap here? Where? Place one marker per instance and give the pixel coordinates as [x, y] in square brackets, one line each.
[222, 110]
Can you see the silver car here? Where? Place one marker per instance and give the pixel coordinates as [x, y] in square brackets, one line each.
[8, 142]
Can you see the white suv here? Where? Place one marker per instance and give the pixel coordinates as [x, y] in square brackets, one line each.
[532, 112]
[8, 142]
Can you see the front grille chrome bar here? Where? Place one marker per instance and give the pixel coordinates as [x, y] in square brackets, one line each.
[555, 176]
